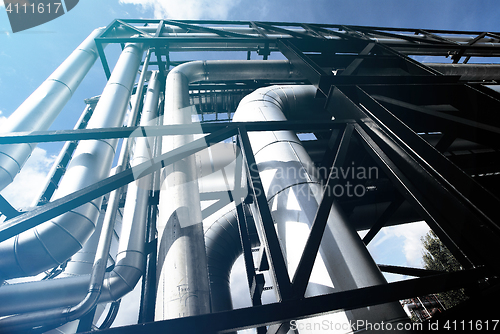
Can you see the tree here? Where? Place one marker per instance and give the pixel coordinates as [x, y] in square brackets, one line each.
[437, 257]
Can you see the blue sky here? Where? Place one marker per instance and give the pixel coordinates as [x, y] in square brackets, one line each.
[28, 58]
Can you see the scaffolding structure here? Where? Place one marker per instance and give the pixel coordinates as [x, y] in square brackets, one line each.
[429, 127]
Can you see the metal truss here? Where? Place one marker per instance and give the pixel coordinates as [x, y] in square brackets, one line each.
[383, 104]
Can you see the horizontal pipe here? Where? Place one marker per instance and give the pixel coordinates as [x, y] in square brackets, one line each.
[173, 31]
[420, 44]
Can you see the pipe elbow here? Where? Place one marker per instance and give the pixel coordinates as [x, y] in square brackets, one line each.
[193, 71]
[121, 281]
[38, 249]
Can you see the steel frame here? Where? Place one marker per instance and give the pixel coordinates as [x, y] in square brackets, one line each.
[380, 98]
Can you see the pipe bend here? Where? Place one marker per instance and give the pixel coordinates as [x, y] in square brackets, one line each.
[193, 71]
[218, 70]
[119, 282]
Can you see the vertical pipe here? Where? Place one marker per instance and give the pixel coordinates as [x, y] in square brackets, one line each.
[41, 108]
[293, 192]
[148, 294]
[182, 267]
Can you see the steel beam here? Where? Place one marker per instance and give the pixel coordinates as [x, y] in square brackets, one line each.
[297, 309]
[483, 133]
[265, 221]
[410, 193]
[304, 65]
[417, 272]
[463, 186]
[382, 220]
[355, 64]
[195, 27]
[7, 209]
[159, 130]
[306, 263]
[53, 209]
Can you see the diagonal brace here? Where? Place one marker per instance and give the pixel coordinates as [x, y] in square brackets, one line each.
[303, 272]
[53, 209]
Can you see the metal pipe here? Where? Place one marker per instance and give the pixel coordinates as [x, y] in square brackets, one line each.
[81, 262]
[63, 315]
[52, 180]
[103, 247]
[41, 108]
[51, 294]
[182, 273]
[223, 249]
[294, 192]
[401, 44]
[182, 270]
[40, 248]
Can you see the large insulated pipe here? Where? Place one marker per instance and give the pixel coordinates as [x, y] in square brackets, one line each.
[183, 288]
[81, 262]
[182, 269]
[293, 192]
[129, 266]
[223, 249]
[41, 108]
[41, 248]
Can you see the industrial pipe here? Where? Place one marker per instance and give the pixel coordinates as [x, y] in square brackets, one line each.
[182, 269]
[51, 294]
[293, 193]
[174, 31]
[81, 262]
[41, 108]
[41, 248]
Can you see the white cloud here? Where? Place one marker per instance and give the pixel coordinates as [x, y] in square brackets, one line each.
[2, 118]
[410, 235]
[27, 184]
[186, 9]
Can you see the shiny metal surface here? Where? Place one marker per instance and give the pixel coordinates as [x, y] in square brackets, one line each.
[56, 293]
[293, 192]
[181, 251]
[41, 108]
[181, 272]
[41, 248]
